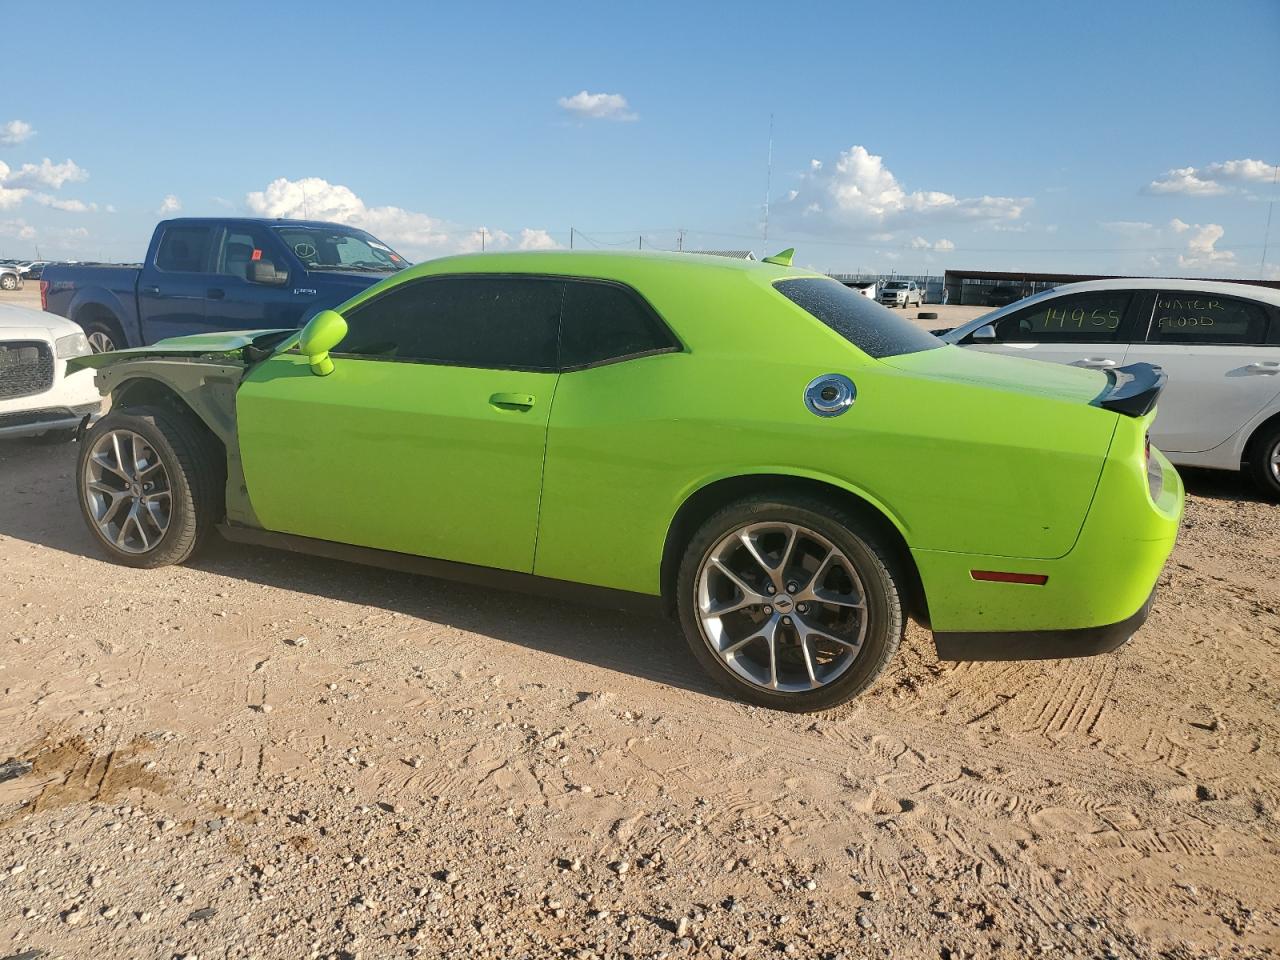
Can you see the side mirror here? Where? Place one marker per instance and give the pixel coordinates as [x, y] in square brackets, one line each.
[321, 334]
[264, 271]
[985, 332]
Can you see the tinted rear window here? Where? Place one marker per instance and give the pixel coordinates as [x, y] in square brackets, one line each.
[605, 321]
[873, 329]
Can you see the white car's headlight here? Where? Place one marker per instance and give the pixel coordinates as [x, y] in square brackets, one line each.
[72, 345]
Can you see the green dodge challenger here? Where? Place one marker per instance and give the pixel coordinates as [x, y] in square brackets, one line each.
[788, 468]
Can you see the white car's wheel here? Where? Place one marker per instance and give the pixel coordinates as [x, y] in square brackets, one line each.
[9, 282]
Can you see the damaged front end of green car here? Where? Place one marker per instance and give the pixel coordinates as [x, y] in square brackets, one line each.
[201, 372]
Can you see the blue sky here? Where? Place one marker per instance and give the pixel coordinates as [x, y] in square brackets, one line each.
[1087, 136]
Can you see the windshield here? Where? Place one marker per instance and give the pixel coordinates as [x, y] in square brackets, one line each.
[896, 285]
[871, 328]
[340, 248]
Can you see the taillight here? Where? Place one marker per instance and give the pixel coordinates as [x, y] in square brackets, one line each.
[44, 294]
[1155, 472]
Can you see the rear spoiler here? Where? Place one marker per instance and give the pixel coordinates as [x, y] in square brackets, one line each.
[1132, 390]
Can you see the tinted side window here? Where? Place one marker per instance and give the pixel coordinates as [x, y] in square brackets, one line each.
[1078, 318]
[240, 247]
[507, 323]
[1205, 318]
[184, 249]
[605, 321]
[873, 329]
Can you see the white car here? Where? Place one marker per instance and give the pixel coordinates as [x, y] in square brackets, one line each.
[10, 276]
[36, 395]
[1219, 344]
[901, 293]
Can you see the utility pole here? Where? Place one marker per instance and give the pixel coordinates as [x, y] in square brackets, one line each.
[642, 241]
[768, 186]
[1266, 237]
[482, 239]
[680, 239]
[571, 238]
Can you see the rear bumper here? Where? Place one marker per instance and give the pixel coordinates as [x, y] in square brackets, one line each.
[1041, 644]
[1088, 601]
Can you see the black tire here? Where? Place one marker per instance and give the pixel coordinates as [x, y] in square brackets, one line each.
[104, 334]
[873, 563]
[196, 468]
[926, 316]
[1264, 449]
[9, 282]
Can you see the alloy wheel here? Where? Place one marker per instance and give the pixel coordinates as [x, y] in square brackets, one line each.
[100, 342]
[1275, 460]
[128, 491]
[781, 606]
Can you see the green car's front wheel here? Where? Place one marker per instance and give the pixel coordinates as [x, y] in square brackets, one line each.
[149, 485]
[789, 602]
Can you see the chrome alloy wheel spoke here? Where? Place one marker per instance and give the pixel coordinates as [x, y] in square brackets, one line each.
[781, 606]
[127, 491]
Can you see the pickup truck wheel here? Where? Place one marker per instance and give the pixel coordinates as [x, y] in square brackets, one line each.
[102, 336]
[148, 484]
[789, 602]
[1264, 461]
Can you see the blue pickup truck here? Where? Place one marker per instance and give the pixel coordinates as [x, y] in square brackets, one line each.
[205, 275]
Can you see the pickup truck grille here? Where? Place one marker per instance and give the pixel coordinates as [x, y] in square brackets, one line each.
[26, 368]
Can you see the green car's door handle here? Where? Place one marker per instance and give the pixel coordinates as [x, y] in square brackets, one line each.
[511, 401]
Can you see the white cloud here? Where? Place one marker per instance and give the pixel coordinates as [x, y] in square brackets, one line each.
[1214, 179]
[315, 198]
[941, 246]
[15, 132]
[1186, 180]
[483, 239]
[536, 240]
[8, 196]
[859, 188]
[1202, 248]
[69, 205]
[46, 173]
[598, 106]
[170, 204]
[1243, 171]
[19, 229]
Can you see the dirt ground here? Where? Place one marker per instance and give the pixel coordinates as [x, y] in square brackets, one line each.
[264, 755]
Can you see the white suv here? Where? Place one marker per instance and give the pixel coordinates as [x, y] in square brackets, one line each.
[36, 395]
[1219, 343]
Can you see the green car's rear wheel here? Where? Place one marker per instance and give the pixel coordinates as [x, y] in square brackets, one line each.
[149, 484]
[789, 602]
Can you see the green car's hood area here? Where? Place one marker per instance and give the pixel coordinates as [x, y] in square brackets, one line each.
[220, 347]
[1013, 374]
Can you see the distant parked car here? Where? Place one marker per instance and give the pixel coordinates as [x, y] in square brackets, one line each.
[1003, 295]
[901, 293]
[10, 277]
[1218, 342]
[37, 395]
[32, 269]
[207, 275]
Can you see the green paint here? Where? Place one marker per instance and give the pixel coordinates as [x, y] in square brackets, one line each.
[979, 461]
[324, 332]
